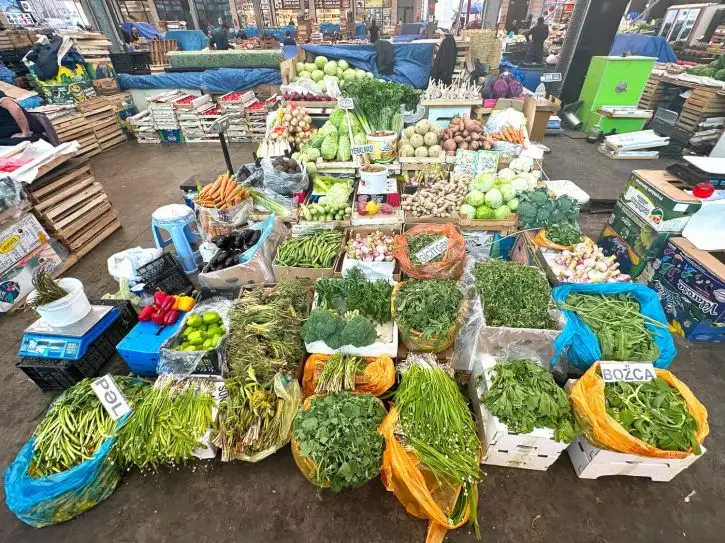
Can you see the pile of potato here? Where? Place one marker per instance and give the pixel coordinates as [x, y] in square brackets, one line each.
[421, 140]
[464, 133]
[439, 200]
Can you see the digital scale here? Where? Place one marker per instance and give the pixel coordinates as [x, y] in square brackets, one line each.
[67, 342]
[695, 169]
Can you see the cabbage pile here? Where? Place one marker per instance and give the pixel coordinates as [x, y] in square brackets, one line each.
[339, 70]
[332, 141]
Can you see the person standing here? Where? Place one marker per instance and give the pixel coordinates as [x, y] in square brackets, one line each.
[536, 36]
[374, 31]
[220, 38]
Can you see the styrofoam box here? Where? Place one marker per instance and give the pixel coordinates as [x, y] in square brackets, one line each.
[536, 450]
[591, 462]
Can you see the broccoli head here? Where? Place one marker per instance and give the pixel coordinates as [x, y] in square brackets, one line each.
[540, 196]
[526, 211]
[358, 331]
[565, 203]
[321, 325]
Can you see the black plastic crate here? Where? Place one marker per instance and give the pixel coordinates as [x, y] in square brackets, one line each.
[165, 274]
[137, 62]
[50, 374]
[128, 318]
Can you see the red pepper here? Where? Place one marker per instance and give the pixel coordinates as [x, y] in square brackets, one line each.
[159, 298]
[146, 313]
[171, 317]
[168, 304]
[158, 318]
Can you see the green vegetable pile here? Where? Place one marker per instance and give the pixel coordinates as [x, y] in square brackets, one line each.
[564, 233]
[654, 412]
[339, 432]
[618, 324]
[513, 295]
[419, 242]
[76, 425]
[429, 306]
[377, 103]
[337, 330]
[318, 250]
[339, 374]
[537, 210]
[355, 293]
[716, 69]
[524, 396]
[437, 425]
[335, 133]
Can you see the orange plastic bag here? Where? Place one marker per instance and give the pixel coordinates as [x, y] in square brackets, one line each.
[453, 262]
[587, 398]
[542, 241]
[377, 378]
[416, 488]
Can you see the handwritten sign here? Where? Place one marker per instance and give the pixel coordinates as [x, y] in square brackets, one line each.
[428, 253]
[361, 149]
[345, 103]
[111, 397]
[629, 372]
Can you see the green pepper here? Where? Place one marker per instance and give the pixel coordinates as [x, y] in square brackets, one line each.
[207, 344]
[196, 341]
[211, 317]
[214, 329]
[194, 321]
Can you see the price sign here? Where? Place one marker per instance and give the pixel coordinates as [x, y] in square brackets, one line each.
[426, 254]
[362, 149]
[630, 372]
[345, 103]
[111, 397]
[551, 77]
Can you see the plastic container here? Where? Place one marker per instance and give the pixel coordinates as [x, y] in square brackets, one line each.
[69, 309]
[165, 274]
[374, 180]
[385, 145]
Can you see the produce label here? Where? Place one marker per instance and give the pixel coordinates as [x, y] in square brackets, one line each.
[433, 250]
[362, 149]
[629, 372]
[111, 397]
[345, 103]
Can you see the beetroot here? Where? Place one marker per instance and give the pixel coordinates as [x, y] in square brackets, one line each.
[515, 88]
[500, 89]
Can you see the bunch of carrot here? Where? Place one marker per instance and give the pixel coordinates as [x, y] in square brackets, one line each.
[511, 134]
[222, 193]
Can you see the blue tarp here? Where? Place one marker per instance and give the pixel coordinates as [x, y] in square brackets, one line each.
[646, 46]
[413, 62]
[279, 33]
[188, 40]
[218, 80]
[289, 51]
[144, 29]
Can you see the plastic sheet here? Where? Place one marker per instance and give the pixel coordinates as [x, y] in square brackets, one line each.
[220, 222]
[125, 265]
[284, 184]
[188, 40]
[377, 377]
[220, 80]
[13, 202]
[587, 398]
[643, 45]
[580, 344]
[450, 267]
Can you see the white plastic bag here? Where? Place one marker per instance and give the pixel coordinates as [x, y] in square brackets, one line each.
[125, 265]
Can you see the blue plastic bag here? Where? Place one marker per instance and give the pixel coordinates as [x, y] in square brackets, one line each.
[580, 343]
[61, 496]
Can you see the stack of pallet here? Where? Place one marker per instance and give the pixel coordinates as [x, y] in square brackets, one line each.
[73, 206]
[652, 92]
[142, 125]
[100, 116]
[70, 125]
[158, 50]
[16, 39]
[704, 103]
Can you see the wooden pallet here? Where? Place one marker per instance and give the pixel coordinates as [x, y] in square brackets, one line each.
[652, 92]
[703, 103]
[158, 50]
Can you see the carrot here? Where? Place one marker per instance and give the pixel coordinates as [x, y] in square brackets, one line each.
[231, 188]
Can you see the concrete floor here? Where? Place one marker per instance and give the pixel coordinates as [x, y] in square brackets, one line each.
[271, 502]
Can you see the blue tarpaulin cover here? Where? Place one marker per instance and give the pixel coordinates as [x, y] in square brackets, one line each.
[646, 46]
[188, 40]
[219, 80]
[144, 29]
[413, 62]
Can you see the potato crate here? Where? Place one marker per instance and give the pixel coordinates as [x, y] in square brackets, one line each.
[590, 462]
[536, 450]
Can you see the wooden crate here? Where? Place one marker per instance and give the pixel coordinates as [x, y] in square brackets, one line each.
[159, 48]
[652, 92]
[703, 103]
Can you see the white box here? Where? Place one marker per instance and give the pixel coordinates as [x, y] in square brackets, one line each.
[536, 450]
[591, 462]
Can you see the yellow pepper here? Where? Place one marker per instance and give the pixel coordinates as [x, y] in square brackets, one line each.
[372, 207]
[184, 303]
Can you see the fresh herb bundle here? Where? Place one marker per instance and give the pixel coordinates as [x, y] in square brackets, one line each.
[430, 306]
[48, 290]
[377, 103]
[437, 425]
[338, 374]
[654, 412]
[355, 292]
[564, 233]
[513, 295]
[617, 323]
[339, 432]
[524, 396]
[419, 242]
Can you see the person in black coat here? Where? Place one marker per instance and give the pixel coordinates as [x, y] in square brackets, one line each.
[445, 60]
[374, 31]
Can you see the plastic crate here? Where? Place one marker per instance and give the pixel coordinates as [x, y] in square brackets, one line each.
[165, 274]
[136, 63]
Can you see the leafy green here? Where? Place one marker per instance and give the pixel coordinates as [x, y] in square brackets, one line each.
[419, 242]
[564, 233]
[355, 293]
[329, 147]
[378, 102]
[336, 331]
[339, 373]
[524, 396]
[513, 295]
[654, 412]
[344, 149]
[537, 210]
[430, 306]
[339, 432]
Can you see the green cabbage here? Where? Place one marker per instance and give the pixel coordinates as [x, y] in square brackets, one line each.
[493, 198]
[501, 213]
[513, 204]
[313, 154]
[507, 191]
[338, 193]
[336, 117]
[328, 129]
[329, 147]
[467, 211]
[483, 182]
[344, 152]
[484, 212]
[360, 138]
[475, 198]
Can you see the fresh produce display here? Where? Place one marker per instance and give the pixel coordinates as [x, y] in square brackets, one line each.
[339, 70]
[354, 292]
[306, 97]
[335, 190]
[503, 86]
[716, 69]
[377, 103]
[339, 434]
[367, 205]
[510, 134]
[295, 126]
[418, 242]
[428, 176]
[75, 426]
[421, 141]
[47, 290]
[537, 209]
[565, 233]
[222, 193]
[436, 424]
[286, 164]
[464, 133]
[231, 248]
[524, 396]
[201, 332]
[513, 295]
[267, 203]
[460, 89]
[588, 264]
[336, 144]
[325, 210]
[489, 198]
[337, 330]
[166, 308]
[317, 250]
[439, 200]
[264, 332]
[339, 374]
[167, 423]
[375, 247]
[429, 306]
[654, 412]
[618, 324]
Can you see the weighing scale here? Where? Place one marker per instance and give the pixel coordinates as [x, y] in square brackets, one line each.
[695, 169]
[67, 342]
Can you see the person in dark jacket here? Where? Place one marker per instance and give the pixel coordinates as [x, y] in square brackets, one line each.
[374, 31]
[445, 60]
[536, 36]
[220, 38]
[289, 40]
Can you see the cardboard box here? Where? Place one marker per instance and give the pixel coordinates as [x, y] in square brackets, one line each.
[20, 239]
[17, 282]
[631, 239]
[370, 269]
[306, 276]
[526, 252]
[652, 194]
[106, 86]
[691, 286]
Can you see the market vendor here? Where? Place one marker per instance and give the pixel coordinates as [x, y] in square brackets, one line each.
[536, 36]
[14, 124]
[220, 38]
[374, 31]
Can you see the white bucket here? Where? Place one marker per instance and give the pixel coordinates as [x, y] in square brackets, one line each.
[69, 309]
[373, 182]
[385, 146]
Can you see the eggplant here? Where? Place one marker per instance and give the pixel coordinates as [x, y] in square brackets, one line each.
[229, 261]
[254, 238]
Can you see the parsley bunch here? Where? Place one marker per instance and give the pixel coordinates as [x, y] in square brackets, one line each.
[378, 102]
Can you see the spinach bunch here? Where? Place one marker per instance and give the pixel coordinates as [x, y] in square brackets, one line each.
[419, 242]
[564, 233]
[654, 412]
[524, 396]
[355, 292]
[339, 432]
[430, 306]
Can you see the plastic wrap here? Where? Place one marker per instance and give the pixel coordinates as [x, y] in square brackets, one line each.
[579, 343]
[184, 363]
[125, 265]
[220, 222]
[255, 264]
[284, 184]
[13, 201]
[587, 399]
[377, 377]
[452, 264]
[501, 118]
[303, 85]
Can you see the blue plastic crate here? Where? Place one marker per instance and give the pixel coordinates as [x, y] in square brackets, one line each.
[141, 347]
